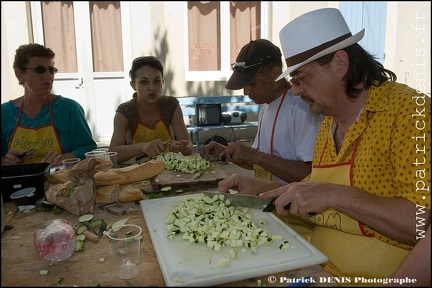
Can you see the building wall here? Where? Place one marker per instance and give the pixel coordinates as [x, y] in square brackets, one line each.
[408, 46]
[14, 32]
[160, 26]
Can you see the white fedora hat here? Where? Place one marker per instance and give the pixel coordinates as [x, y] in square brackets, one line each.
[313, 35]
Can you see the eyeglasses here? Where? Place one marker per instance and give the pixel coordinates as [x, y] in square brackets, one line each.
[241, 66]
[41, 69]
[295, 81]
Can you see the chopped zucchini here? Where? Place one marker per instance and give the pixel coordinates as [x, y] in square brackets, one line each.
[284, 245]
[95, 223]
[79, 245]
[224, 261]
[216, 224]
[80, 237]
[80, 230]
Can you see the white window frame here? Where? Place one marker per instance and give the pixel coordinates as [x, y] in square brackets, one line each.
[225, 72]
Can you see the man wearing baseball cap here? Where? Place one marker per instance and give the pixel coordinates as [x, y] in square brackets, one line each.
[370, 174]
[283, 146]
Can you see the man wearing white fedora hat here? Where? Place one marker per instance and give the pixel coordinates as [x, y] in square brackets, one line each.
[370, 174]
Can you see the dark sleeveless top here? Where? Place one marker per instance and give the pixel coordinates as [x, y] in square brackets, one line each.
[167, 106]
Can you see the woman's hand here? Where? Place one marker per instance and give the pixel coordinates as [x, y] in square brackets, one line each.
[211, 149]
[153, 148]
[181, 146]
[13, 157]
[53, 157]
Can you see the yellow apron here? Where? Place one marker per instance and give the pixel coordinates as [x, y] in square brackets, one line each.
[145, 134]
[351, 251]
[300, 226]
[261, 173]
[43, 139]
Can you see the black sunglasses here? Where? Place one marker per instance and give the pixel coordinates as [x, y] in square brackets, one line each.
[241, 66]
[41, 69]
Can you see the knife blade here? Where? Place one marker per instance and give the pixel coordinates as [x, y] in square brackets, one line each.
[270, 207]
[138, 158]
[242, 200]
[216, 158]
[26, 153]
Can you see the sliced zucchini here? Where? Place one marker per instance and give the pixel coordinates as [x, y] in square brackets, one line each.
[43, 272]
[85, 218]
[119, 223]
[166, 188]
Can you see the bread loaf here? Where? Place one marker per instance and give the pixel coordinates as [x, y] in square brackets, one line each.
[129, 174]
[103, 165]
[107, 194]
[130, 193]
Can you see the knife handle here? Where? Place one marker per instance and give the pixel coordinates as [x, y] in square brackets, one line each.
[140, 157]
[288, 206]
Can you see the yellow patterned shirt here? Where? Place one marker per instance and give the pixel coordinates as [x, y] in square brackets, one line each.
[393, 157]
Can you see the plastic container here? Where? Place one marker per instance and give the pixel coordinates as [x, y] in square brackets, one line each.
[26, 196]
[16, 177]
[55, 240]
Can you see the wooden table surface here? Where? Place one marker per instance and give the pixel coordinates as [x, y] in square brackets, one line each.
[21, 263]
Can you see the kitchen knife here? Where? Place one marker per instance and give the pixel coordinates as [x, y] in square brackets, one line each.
[198, 174]
[270, 207]
[242, 200]
[138, 158]
[217, 158]
[26, 153]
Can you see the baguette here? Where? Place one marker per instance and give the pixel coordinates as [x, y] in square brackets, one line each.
[103, 165]
[130, 193]
[130, 174]
[107, 194]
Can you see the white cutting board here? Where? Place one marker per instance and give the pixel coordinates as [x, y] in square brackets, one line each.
[194, 264]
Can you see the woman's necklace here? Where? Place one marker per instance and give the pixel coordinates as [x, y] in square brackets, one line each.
[143, 114]
[154, 117]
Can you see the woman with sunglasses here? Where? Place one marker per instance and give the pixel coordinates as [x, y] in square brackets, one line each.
[150, 123]
[53, 125]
